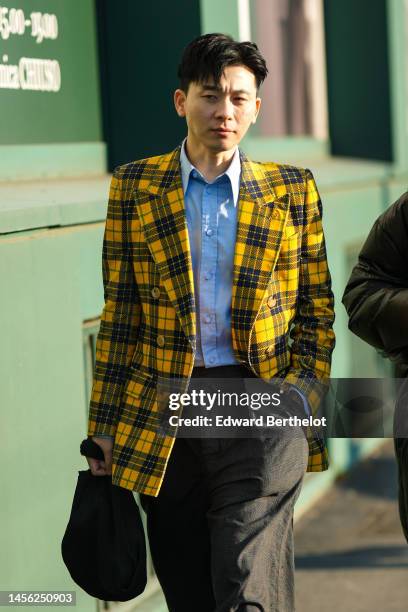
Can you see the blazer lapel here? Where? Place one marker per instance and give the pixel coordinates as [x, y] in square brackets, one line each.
[262, 216]
[161, 209]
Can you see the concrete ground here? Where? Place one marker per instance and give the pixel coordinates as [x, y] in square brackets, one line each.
[351, 555]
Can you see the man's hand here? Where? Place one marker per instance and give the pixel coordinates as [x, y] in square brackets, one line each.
[97, 466]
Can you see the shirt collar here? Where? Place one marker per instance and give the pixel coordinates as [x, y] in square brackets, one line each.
[233, 171]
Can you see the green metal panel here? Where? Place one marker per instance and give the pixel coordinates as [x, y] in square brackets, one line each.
[70, 114]
[42, 405]
[358, 78]
[89, 243]
[348, 215]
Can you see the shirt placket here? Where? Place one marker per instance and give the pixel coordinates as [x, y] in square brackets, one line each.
[209, 230]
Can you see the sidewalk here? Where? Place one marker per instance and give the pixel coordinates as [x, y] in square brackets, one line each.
[351, 555]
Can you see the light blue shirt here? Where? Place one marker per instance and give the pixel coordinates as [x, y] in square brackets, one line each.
[211, 211]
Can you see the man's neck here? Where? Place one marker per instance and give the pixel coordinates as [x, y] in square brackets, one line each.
[211, 164]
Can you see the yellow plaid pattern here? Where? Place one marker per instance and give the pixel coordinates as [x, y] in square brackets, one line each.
[148, 324]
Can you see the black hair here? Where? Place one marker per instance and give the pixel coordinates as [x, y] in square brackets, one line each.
[208, 56]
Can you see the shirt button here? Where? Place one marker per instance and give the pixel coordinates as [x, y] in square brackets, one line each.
[209, 231]
[207, 318]
[208, 275]
[211, 359]
[155, 292]
[271, 301]
[160, 340]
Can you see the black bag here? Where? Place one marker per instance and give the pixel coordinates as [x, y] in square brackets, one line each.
[104, 545]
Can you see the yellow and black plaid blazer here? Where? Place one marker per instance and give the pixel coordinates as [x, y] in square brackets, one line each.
[148, 324]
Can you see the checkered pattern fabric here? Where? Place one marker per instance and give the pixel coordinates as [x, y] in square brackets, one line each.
[148, 324]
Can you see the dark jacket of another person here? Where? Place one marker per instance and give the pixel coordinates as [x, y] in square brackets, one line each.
[376, 296]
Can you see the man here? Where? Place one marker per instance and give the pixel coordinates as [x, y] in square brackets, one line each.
[210, 263]
[376, 299]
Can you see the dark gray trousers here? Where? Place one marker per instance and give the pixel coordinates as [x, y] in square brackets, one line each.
[221, 529]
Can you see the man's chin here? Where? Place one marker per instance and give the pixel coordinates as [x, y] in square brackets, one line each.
[222, 144]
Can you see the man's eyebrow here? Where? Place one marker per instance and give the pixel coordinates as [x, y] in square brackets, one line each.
[219, 89]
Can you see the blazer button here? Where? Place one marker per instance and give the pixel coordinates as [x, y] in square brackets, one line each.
[271, 301]
[155, 292]
[268, 351]
[275, 214]
[160, 340]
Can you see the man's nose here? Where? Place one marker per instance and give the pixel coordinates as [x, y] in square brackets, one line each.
[225, 109]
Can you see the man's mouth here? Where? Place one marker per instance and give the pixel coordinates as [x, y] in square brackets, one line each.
[222, 131]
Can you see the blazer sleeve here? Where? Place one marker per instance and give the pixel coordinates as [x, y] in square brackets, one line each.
[376, 295]
[120, 318]
[312, 332]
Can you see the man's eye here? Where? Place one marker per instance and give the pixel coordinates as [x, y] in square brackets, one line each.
[241, 99]
[209, 96]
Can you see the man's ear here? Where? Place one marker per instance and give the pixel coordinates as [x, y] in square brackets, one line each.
[258, 106]
[179, 102]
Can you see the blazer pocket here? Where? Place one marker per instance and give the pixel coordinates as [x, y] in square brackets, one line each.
[140, 383]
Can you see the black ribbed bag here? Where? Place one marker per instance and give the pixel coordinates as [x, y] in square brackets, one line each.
[104, 545]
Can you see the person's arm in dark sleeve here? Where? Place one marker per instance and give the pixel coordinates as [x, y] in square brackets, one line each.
[376, 295]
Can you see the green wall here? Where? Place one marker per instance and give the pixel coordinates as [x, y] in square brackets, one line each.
[55, 284]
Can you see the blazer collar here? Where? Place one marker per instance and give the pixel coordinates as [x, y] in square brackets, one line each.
[253, 183]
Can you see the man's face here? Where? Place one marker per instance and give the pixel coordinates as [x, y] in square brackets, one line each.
[218, 117]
